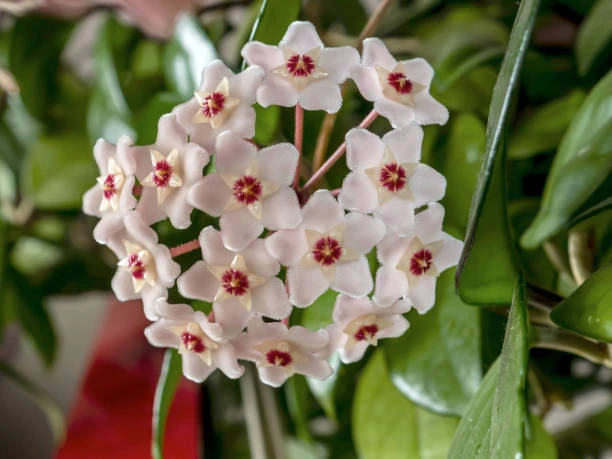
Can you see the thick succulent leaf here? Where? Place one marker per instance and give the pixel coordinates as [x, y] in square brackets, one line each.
[494, 422]
[587, 311]
[582, 163]
[437, 362]
[52, 411]
[185, 56]
[488, 206]
[594, 35]
[386, 425]
[169, 378]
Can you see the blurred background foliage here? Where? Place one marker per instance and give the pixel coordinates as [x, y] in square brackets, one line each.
[527, 154]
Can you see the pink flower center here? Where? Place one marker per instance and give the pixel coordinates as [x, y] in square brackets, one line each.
[326, 251]
[110, 187]
[247, 190]
[300, 65]
[162, 172]
[420, 262]
[192, 342]
[400, 83]
[392, 177]
[135, 266]
[366, 332]
[235, 282]
[278, 358]
[212, 104]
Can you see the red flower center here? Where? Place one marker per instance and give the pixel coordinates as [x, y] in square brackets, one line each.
[326, 251]
[136, 266]
[300, 65]
[278, 358]
[247, 190]
[212, 104]
[400, 83]
[366, 332]
[392, 177]
[110, 188]
[420, 262]
[192, 342]
[235, 282]
[162, 172]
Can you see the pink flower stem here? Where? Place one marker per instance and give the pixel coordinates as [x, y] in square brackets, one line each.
[337, 154]
[184, 248]
[298, 140]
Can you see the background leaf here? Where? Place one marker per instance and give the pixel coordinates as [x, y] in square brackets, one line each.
[387, 425]
[437, 362]
[582, 162]
[169, 378]
[594, 35]
[493, 425]
[587, 311]
[274, 19]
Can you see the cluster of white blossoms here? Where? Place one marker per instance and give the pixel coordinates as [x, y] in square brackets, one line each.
[388, 202]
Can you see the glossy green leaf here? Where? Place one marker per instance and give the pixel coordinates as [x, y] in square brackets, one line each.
[52, 411]
[146, 120]
[323, 390]
[298, 405]
[482, 278]
[273, 20]
[470, 63]
[464, 153]
[594, 35]
[602, 206]
[543, 129]
[539, 443]
[169, 378]
[266, 124]
[437, 362]
[26, 305]
[583, 161]
[58, 170]
[587, 311]
[494, 423]
[36, 45]
[31, 255]
[186, 55]
[386, 425]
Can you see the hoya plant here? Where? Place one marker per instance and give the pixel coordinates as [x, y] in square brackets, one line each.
[360, 254]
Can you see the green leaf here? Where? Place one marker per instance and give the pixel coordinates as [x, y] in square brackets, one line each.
[591, 211]
[594, 35]
[539, 443]
[186, 55]
[54, 414]
[387, 425]
[266, 124]
[587, 311]
[36, 45]
[58, 170]
[482, 278]
[437, 362]
[146, 120]
[465, 149]
[298, 405]
[273, 20]
[582, 162]
[26, 305]
[543, 129]
[31, 255]
[470, 63]
[324, 390]
[494, 423]
[169, 378]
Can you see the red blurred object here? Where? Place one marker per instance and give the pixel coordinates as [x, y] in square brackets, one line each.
[112, 414]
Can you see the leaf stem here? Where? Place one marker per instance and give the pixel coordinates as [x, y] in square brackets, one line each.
[184, 248]
[579, 248]
[565, 341]
[254, 424]
[374, 21]
[337, 154]
[298, 142]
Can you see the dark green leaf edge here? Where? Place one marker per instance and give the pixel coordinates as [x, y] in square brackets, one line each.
[169, 378]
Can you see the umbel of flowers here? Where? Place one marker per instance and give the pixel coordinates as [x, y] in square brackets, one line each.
[388, 203]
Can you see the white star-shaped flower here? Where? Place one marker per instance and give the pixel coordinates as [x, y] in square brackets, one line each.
[399, 90]
[250, 190]
[239, 284]
[412, 263]
[201, 343]
[327, 249]
[387, 178]
[301, 70]
[223, 103]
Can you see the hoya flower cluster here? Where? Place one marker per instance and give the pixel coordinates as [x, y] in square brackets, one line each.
[388, 203]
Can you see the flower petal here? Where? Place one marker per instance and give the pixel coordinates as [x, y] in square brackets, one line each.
[427, 185]
[321, 95]
[244, 85]
[423, 294]
[159, 335]
[225, 359]
[287, 246]
[301, 36]
[239, 228]
[363, 149]
[391, 284]
[213, 250]
[376, 53]
[194, 368]
[353, 278]
[322, 212]
[367, 82]
[305, 285]
[398, 215]
[123, 287]
[405, 143]
[210, 195]
[233, 153]
[232, 316]
[258, 260]
[276, 91]
[198, 283]
[449, 252]
[266, 56]
[418, 70]
[362, 232]
[278, 163]
[273, 376]
[281, 210]
[428, 110]
[270, 299]
[338, 61]
[170, 134]
[398, 115]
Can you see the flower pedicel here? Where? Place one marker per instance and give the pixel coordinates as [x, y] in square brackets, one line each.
[272, 253]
